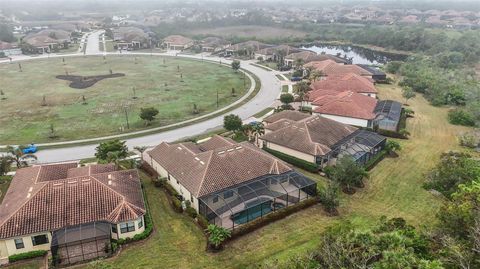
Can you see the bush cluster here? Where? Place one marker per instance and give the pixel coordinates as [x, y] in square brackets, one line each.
[311, 167]
[461, 117]
[202, 221]
[176, 204]
[191, 212]
[27, 255]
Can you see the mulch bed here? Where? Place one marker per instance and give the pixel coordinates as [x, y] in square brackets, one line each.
[83, 82]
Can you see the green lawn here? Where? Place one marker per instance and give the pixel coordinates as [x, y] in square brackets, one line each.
[280, 77]
[24, 119]
[284, 88]
[263, 112]
[393, 189]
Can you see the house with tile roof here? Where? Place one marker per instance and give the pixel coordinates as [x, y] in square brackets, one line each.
[332, 68]
[317, 139]
[48, 40]
[348, 82]
[346, 107]
[214, 44]
[131, 38]
[308, 56]
[229, 183]
[70, 210]
[177, 42]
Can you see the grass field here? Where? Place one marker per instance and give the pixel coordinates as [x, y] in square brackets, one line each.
[25, 118]
[249, 31]
[4, 183]
[394, 189]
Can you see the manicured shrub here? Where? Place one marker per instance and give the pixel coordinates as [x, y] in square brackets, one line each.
[170, 190]
[27, 255]
[176, 204]
[191, 212]
[202, 221]
[461, 117]
[159, 182]
[311, 167]
[274, 216]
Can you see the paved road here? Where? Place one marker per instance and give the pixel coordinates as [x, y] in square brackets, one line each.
[93, 42]
[266, 97]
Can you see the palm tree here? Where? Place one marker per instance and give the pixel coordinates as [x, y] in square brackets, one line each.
[6, 162]
[19, 157]
[299, 63]
[258, 130]
[114, 157]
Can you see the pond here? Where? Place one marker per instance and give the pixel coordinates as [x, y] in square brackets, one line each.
[357, 55]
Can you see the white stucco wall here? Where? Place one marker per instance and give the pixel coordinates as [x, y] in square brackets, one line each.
[175, 184]
[121, 235]
[346, 120]
[7, 246]
[289, 151]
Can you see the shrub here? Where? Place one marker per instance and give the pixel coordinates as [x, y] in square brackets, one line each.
[311, 167]
[159, 182]
[176, 204]
[170, 190]
[274, 216]
[461, 117]
[27, 255]
[393, 67]
[469, 140]
[329, 197]
[202, 221]
[191, 212]
[217, 235]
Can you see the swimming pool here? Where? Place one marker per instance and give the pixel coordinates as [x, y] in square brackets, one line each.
[261, 208]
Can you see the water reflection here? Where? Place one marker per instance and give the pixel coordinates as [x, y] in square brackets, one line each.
[357, 55]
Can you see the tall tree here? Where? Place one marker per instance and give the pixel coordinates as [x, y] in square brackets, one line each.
[232, 123]
[348, 174]
[148, 114]
[235, 65]
[116, 145]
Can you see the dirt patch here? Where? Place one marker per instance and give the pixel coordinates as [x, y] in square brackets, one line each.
[83, 82]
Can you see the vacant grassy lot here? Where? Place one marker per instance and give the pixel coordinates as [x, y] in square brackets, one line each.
[4, 183]
[249, 31]
[394, 189]
[25, 117]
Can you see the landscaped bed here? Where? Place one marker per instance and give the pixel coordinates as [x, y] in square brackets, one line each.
[36, 100]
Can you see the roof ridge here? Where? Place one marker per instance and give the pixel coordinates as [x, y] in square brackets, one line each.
[205, 172]
[24, 203]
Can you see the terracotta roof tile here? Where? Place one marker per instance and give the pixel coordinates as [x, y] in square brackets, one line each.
[286, 114]
[215, 168]
[331, 68]
[347, 104]
[314, 135]
[349, 82]
[35, 206]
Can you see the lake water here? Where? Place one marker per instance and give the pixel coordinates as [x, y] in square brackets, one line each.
[358, 55]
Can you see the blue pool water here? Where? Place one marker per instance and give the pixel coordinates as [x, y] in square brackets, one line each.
[255, 212]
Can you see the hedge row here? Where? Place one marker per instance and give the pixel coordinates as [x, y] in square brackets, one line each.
[389, 133]
[311, 167]
[27, 255]
[271, 217]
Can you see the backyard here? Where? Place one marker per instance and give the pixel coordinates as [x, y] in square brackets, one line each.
[35, 101]
[393, 189]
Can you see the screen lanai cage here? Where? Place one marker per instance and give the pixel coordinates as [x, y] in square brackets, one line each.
[361, 146]
[81, 242]
[388, 115]
[256, 198]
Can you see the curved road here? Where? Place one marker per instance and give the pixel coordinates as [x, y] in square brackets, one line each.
[270, 89]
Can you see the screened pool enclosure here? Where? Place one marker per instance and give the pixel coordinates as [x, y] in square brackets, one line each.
[245, 202]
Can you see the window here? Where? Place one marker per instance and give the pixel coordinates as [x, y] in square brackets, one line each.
[19, 243]
[127, 227]
[227, 194]
[39, 239]
[114, 228]
[215, 199]
[140, 224]
[168, 177]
